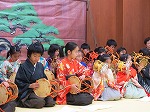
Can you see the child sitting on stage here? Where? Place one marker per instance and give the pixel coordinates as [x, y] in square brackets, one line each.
[104, 82]
[127, 79]
[11, 64]
[85, 48]
[70, 66]
[29, 72]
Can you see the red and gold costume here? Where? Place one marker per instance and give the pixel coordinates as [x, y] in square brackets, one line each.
[68, 67]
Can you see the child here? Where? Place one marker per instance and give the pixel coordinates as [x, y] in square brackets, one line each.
[85, 48]
[127, 79]
[100, 50]
[107, 89]
[70, 66]
[80, 58]
[12, 62]
[110, 46]
[29, 72]
[144, 72]
[53, 58]
[10, 106]
[121, 51]
[147, 42]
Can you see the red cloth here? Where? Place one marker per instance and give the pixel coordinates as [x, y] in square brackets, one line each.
[122, 76]
[68, 67]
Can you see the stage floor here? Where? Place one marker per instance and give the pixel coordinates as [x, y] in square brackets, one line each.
[123, 105]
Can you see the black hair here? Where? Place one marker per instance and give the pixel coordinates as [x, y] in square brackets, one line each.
[13, 50]
[103, 57]
[146, 40]
[52, 49]
[85, 46]
[36, 47]
[124, 57]
[61, 51]
[111, 42]
[70, 46]
[99, 50]
[120, 49]
[145, 51]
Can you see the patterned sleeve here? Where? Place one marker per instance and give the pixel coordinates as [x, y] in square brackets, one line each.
[83, 70]
[61, 75]
[5, 67]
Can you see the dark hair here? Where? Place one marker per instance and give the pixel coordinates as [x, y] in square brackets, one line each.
[99, 50]
[13, 50]
[124, 57]
[85, 46]
[52, 49]
[103, 57]
[61, 51]
[111, 42]
[146, 40]
[120, 49]
[36, 47]
[145, 51]
[70, 46]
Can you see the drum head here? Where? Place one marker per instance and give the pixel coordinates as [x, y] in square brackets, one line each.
[14, 89]
[44, 88]
[3, 94]
[49, 74]
[12, 77]
[74, 80]
[143, 62]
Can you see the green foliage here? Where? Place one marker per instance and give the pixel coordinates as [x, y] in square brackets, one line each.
[4, 28]
[23, 15]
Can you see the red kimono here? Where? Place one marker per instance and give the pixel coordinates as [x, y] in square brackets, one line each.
[68, 67]
[122, 76]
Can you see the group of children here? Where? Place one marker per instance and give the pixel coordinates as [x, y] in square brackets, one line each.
[114, 74]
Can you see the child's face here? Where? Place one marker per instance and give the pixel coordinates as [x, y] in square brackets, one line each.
[35, 57]
[148, 44]
[112, 47]
[85, 51]
[122, 52]
[15, 56]
[108, 61]
[129, 60]
[73, 54]
[56, 53]
[79, 56]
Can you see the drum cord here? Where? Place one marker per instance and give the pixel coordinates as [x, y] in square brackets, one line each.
[11, 96]
[53, 90]
[87, 85]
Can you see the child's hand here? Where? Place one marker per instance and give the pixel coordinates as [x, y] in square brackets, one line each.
[34, 85]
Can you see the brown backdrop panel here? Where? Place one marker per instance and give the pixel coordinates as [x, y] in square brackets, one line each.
[126, 21]
[136, 23]
[104, 20]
